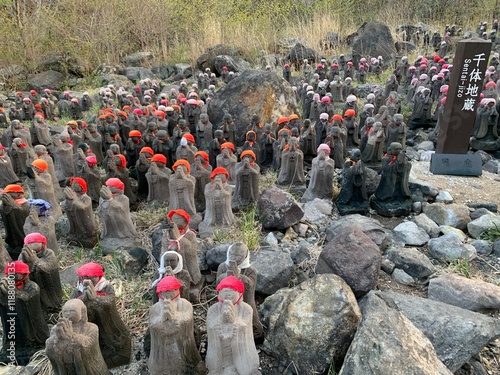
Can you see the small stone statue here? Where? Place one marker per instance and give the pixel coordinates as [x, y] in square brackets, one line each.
[178, 237]
[98, 295]
[393, 197]
[335, 142]
[44, 270]
[353, 198]
[218, 212]
[228, 160]
[19, 153]
[231, 348]
[78, 207]
[485, 133]
[200, 170]
[237, 264]
[41, 221]
[396, 131]
[7, 174]
[118, 231]
[141, 169]
[373, 151]
[73, 345]
[246, 191]
[292, 167]
[181, 186]
[158, 176]
[43, 185]
[63, 158]
[171, 324]
[321, 184]
[14, 211]
[25, 318]
[172, 264]
[92, 177]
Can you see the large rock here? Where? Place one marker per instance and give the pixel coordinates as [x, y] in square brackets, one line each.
[138, 58]
[426, 224]
[455, 333]
[299, 53]
[474, 295]
[274, 269]
[135, 73]
[233, 63]
[278, 209]
[411, 234]
[374, 39]
[50, 79]
[450, 247]
[306, 331]
[317, 210]
[371, 227]
[252, 92]
[206, 60]
[387, 342]
[455, 215]
[216, 255]
[353, 256]
[117, 80]
[483, 223]
[412, 261]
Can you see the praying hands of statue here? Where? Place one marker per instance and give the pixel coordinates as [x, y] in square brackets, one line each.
[228, 313]
[69, 193]
[7, 200]
[4, 286]
[232, 269]
[109, 139]
[81, 154]
[86, 133]
[89, 293]
[169, 271]
[106, 193]
[143, 159]
[34, 217]
[64, 328]
[168, 309]
[28, 254]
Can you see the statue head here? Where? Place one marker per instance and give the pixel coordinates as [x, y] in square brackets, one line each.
[395, 148]
[355, 154]
[219, 134]
[204, 118]
[238, 254]
[267, 128]
[219, 177]
[398, 118]
[15, 191]
[248, 157]
[227, 118]
[78, 185]
[75, 311]
[112, 130]
[251, 136]
[335, 131]
[173, 260]
[181, 168]
[162, 135]
[115, 148]
[323, 151]
[230, 289]
[92, 272]
[293, 142]
[36, 242]
[180, 218]
[307, 123]
[168, 288]
[182, 124]
[227, 149]
[255, 119]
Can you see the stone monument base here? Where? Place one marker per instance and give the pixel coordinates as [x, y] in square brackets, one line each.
[354, 208]
[485, 145]
[391, 208]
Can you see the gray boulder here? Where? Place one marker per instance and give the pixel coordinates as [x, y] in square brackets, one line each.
[483, 223]
[50, 79]
[492, 166]
[387, 342]
[278, 210]
[482, 247]
[411, 234]
[307, 332]
[299, 53]
[317, 210]
[455, 215]
[138, 58]
[135, 73]
[117, 80]
[353, 256]
[450, 247]
[444, 197]
[216, 255]
[422, 189]
[274, 269]
[131, 261]
[456, 334]
[478, 212]
[474, 295]
[374, 38]
[412, 261]
[252, 92]
[405, 47]
[426, 224]
[371, 227]
[206, 59]
[426, 146]
[234, 64]
[402, 277]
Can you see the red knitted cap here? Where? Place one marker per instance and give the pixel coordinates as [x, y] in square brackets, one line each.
[159, 157]
[80, 181]
[16, 267]
[91, 270]
[180, 212]
[168, 283]
[232, 283]
[115, 182]
[219, 170]
[35, 237]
